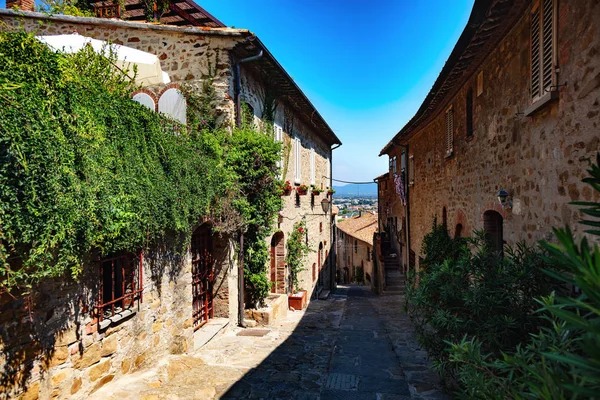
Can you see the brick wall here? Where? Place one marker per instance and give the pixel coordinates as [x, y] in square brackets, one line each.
[540, 160]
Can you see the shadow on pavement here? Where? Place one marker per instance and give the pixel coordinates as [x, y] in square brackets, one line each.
[339, 350]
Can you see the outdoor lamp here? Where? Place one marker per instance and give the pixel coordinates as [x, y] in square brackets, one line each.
[503, 199]
[325, 205]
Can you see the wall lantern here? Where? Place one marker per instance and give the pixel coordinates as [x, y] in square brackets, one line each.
[325, 203]
[505, 202]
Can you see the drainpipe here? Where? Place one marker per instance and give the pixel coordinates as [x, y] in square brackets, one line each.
[237, 88]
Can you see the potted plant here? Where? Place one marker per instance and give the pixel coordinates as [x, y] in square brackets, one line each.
[315, 191]
[297, 249]
[302, 189]
[330, 192]
[287, 188]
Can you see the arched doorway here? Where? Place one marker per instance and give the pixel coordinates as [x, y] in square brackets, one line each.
[320, 257]
[277, 264]
[492, 225]
[202, 276]
[458, 231]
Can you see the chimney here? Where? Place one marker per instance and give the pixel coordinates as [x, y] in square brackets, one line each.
[24, 5]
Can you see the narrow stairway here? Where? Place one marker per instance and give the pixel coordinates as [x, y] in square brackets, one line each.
[394, 279]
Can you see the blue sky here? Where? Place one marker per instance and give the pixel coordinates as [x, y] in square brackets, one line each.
[365, 65]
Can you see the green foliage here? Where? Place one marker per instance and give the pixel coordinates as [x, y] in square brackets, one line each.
[359, 274]
[84, 168]
[66, 7]
[438, 246]
[297, 250]
[561, 360]
[475, 293]
[251, 159]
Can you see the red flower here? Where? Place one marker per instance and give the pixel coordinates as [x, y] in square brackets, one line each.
[300, 230]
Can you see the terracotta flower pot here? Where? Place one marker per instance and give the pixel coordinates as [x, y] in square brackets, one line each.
[297, 301]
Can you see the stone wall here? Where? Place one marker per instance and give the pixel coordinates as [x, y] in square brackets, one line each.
[351, 253]
[540, 160]
[52, 347]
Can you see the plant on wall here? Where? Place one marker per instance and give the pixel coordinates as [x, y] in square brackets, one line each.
[297, 250]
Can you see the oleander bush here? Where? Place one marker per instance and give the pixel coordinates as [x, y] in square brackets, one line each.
[495, 327]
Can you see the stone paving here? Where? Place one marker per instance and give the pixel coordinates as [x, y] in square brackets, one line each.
[352, 346]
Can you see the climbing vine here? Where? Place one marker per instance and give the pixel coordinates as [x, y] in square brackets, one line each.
[297, 250]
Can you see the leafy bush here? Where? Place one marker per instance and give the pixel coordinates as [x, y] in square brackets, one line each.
[438, 246]
[475, 293]
[561, 361]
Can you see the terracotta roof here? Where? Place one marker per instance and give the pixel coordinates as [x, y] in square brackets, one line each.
[489, 22]
[382, 176]
[361, 227]
[180, 13]
[335, 210]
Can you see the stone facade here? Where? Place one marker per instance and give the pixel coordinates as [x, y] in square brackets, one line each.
[354, 249]
[539, 158]
[53, 348]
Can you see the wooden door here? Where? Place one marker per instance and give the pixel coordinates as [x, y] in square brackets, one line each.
[202, 276]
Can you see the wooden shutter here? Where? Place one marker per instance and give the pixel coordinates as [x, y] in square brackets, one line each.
[449, 130]
[535, 53]
[297, 160]
[542, 48]
[312, 166]
[547, 44]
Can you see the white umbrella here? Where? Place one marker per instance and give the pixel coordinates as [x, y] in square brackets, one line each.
[148, 65]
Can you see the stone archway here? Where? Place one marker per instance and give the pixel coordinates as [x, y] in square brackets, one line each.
[277, 271]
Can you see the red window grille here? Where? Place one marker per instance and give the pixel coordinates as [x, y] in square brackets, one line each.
[121, 284]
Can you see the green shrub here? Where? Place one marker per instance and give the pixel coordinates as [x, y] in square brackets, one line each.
[558, 360]
[475, 293]
[561, 361]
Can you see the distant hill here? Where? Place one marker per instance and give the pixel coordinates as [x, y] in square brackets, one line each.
[355, 190]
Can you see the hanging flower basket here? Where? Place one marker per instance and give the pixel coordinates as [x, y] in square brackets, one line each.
[330, 192]
[302, 190]
[315, 191]
[287, 188]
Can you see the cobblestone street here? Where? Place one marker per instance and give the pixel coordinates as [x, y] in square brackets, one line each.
[353, 346]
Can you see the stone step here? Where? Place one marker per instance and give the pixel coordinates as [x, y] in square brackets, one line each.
[324, 294]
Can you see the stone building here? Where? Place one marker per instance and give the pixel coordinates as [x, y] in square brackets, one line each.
[515, 109]
[71, 338]
[354, 249]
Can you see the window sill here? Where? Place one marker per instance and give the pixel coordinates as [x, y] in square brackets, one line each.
[115, 319]
[449, 155]
[541, 103]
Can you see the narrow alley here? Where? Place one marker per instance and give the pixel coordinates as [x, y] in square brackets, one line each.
[352, 346]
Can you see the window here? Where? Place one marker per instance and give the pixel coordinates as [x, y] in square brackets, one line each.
[320, 227]
[444, 217]
[393, 165]
[298, 163]
[312, 166]
[172, 103]
[368, 254]
[121, 284]
[411, 169]
[279, 138]
[356, 246]
[403, 161]
[543, 54]
[449, 131]
[469, 112]
[145, 100]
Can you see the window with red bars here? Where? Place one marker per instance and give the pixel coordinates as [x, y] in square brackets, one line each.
[121, 284]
